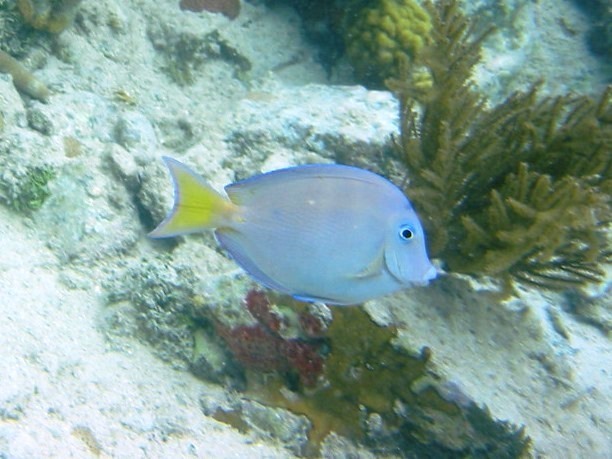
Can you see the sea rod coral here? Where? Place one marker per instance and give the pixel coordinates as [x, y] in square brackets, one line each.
[519, 191]
[23, 80]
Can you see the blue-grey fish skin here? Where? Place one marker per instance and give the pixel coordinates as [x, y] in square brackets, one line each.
[329, 233]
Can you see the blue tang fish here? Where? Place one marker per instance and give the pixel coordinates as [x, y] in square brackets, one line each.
[328, 233]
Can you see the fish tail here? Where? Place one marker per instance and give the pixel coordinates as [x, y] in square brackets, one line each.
[196, 205]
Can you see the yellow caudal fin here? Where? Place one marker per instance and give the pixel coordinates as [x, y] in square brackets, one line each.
[196, 205]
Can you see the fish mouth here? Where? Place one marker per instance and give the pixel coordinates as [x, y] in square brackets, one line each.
[431, 273]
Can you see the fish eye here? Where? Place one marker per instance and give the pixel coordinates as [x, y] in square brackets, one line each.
[406, 233]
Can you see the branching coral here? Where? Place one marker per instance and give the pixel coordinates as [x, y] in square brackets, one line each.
[517, 191]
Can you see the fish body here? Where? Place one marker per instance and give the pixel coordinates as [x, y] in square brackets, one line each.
[329, 233]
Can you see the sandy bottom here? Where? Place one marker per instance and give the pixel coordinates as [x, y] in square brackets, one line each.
[66, 391]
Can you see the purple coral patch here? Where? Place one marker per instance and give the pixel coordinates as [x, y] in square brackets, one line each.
[261, 347]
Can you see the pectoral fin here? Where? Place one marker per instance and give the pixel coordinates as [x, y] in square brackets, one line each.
[374, 268]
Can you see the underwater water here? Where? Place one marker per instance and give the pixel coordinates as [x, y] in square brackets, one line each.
[386, 229]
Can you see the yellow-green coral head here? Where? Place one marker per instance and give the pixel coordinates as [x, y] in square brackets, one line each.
[383, 34]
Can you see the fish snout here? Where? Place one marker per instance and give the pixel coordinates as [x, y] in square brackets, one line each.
[430, 274]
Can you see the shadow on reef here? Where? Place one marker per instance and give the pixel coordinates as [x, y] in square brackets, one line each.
[600, 36]
[349, 376]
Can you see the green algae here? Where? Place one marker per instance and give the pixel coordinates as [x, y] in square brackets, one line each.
[31, 190]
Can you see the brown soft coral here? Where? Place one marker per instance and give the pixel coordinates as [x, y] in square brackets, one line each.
[23, 80]
[517, 191]
[52, 16]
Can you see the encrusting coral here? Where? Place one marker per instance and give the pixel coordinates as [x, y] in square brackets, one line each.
[517, 191]
[343, 372]
[352, 377]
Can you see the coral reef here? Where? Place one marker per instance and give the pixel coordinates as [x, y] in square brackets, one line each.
[49, 15]
[382, 34]
[228, 8]
[517, 191]
[23, 80]
[363, 387]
